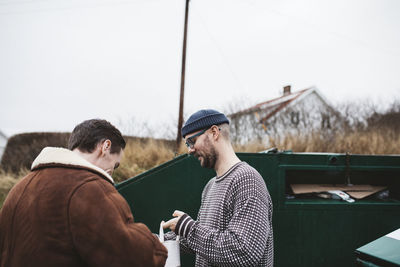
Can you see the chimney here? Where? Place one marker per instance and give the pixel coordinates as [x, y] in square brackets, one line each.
[286, 90]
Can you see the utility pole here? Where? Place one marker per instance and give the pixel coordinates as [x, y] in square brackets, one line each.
[180, 119]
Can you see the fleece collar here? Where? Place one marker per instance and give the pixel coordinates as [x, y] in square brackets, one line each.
[63, 156]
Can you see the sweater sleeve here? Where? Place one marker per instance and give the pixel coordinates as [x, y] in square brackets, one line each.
[243, 241]
[104, 233]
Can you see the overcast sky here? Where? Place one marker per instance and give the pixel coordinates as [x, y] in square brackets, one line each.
[62, 62]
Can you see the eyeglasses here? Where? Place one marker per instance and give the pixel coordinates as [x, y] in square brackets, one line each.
[190, 141]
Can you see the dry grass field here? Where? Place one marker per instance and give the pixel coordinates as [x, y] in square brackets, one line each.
[140, 156]
[373, 133]
[7, 181]
[363, 142]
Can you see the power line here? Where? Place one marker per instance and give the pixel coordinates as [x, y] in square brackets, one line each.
[222, 54]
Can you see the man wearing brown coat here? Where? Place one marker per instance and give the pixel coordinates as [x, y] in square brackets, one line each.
[66, 211]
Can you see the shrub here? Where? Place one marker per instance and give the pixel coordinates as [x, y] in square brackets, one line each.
[22, 149]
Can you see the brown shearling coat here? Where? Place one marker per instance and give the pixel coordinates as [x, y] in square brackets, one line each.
[66, 212]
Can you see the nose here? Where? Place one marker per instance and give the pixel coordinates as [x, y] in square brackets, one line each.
[191, 150]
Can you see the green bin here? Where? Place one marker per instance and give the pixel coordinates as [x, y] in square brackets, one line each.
[307, 231]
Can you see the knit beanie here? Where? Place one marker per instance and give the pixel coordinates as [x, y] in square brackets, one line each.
[203, 119]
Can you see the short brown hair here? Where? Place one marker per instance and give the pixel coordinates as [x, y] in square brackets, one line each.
[88, 134]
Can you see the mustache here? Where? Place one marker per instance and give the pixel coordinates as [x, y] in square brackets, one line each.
[196, 155]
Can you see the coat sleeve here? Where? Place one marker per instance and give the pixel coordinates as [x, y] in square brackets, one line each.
[103, 230]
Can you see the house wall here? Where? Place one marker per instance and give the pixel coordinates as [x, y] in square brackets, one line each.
[308, 114]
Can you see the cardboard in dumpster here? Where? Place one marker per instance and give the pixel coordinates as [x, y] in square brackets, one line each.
[358, 191]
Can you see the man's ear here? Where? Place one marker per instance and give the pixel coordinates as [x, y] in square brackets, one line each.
[106, 146]
[215, 131]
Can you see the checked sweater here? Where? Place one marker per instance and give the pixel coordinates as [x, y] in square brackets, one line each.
[234, 223]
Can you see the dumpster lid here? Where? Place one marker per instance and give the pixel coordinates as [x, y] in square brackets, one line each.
[382, 250]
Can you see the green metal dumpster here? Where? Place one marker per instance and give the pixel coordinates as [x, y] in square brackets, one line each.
[308, 231]
[384, 251]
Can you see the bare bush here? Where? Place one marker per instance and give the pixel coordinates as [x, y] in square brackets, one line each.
[149, 129]
[387, 120]
[360, 127]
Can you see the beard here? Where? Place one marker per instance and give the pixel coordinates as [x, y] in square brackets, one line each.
[209, 159]
[209, 156]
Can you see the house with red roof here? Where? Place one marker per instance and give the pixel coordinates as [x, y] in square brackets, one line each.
[292, 113]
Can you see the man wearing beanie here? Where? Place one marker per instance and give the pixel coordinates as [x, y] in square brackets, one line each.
[234, 223]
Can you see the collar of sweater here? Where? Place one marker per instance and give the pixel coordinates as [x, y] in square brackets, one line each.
[220, 178]
[62, 156]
